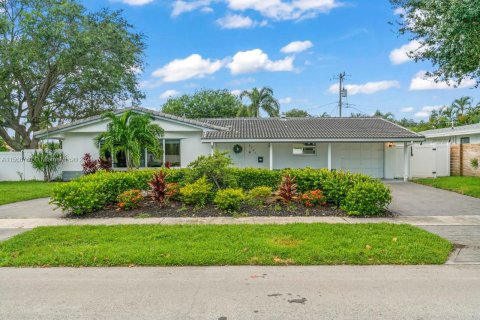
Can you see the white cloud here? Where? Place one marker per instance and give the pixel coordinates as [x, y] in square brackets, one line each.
[169, 94]
[407, 109]
[256, 60]
[207, 10]
[285, 10]
[400, 55]
[297, 46]
[236, 92]
[427, 110]
[366, 88]
[286, 100]
[422, 82]
[180, 6]
[235, 21]
[193, 66]
[399, 11]
[136, 2]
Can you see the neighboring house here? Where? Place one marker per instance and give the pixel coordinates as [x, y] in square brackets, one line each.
[456, 135]
[365, 145]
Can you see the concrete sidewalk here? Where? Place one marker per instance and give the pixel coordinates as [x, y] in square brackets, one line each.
[413, 220]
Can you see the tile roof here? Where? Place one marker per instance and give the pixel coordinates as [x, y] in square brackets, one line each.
[119, 111]
[308, 128]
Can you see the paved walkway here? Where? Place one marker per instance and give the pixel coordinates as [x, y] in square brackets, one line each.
[412, 199]
[38, 208]
[248, 292]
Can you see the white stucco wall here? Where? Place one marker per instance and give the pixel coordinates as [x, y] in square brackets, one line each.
[474, 139]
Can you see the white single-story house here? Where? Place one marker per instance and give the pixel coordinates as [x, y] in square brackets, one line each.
[454, 135]
[366, 145]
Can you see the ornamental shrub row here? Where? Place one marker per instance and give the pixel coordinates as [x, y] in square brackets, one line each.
[357, 194]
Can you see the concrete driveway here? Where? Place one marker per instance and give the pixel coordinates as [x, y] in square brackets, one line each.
[411, 199]
[38, 208]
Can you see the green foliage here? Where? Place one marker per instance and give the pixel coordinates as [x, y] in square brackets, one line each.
[260, 99]
[129, 200]
[297, 113]
[474, 163]
[229, 200]
[3, 145]
[204, 104]
[214, 167]
[130, 133]
[198, 193]
[59, 62]
[47, 160]
[367, 198]
[464, 185]
[448, 33]
[259, 195]
[249, 178]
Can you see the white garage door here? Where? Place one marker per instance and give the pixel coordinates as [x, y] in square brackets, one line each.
[364, 158]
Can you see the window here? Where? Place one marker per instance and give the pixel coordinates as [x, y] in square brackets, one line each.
[306, 149]
[465, 140]
[172, 155]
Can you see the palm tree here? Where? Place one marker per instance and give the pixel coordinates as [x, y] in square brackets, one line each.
[461, 107]
[130, 133]
[387, 115]
[259, 99]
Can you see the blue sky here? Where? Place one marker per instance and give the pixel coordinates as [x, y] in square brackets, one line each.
[294, 46]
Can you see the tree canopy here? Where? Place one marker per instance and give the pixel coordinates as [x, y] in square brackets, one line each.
[59, 63]
[260, 99]
[297, 113]
[448, 33]
[204, 104]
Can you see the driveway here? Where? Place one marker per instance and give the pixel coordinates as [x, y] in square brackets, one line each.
[411, 199]
[38, 208]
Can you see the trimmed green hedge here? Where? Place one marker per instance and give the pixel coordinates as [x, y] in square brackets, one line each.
[94, 192]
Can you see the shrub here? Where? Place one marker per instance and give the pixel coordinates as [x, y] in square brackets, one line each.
[159, 187]
[249, 178]
[287, 192]
[105, 164]
[259, 195]
[214, 167]
[47, 160]
[313, 198]
[198, 193]
[88, 164]
[129, 200]
[474, 163]
[367, 198]
[229, 200]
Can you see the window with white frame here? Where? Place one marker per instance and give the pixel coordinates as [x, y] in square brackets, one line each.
[305, 149]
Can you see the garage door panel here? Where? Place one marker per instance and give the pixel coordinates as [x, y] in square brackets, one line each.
[366, 158]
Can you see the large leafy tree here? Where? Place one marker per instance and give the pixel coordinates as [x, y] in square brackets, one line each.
[59, 62]
[449, 35]
[297, 113]
[260, 99]
[204, 104]
[130, 133]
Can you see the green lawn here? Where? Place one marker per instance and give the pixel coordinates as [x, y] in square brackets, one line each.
[206, 245]
[14, 191]
[464, 185]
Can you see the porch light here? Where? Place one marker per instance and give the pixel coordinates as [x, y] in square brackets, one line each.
[390, 145]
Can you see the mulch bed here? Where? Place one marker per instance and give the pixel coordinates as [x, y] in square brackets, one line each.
[150, 208]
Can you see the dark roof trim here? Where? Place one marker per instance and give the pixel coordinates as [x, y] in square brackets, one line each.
[156, 114]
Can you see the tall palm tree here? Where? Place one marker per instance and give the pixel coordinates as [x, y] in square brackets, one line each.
[387, 115]
[259, 100]
[461, 105]
[130, 133]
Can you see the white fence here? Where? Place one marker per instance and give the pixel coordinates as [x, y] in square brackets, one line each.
[429, 160]
[16, 166]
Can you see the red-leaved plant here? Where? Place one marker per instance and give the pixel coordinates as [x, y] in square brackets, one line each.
[313, 198]
[89, 165]
[160, 190]
[287, 192]
[105, 164]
